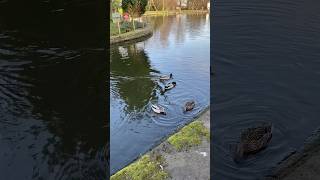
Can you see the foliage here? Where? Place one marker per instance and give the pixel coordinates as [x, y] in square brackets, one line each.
[155, 5]
[134, 7]
[116, 4]
[197, 4]
[124, 27]
[113, 29]
[163, 4]
[144, 168]
[189, 136]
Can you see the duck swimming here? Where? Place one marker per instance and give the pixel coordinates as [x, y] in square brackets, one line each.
[253, 140]
[158, 109]
[168, 87]
[165, 77]
[189, 105]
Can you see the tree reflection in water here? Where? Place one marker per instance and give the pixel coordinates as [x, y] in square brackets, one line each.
[132, 76]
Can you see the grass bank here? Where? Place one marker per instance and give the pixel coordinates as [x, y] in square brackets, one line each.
[128, 34]
[183, 155]
[189, 136]
[144, 168]
[124, 27]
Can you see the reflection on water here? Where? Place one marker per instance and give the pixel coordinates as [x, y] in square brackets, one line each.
[52, 107]
[131, 79]
[135, 68]
[266, 57]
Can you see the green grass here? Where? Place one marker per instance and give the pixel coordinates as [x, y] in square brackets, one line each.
[190, 135]
[124, 27]
[142, 169]
[113, 29]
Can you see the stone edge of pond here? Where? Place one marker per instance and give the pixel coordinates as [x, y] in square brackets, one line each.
[297, 158]
[164, 147]
[132, 35]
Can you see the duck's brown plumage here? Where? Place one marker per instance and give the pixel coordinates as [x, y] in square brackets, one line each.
[189, 105]
[254, 139]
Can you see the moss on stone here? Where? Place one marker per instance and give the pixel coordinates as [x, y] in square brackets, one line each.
[144, 168]
[190, 135]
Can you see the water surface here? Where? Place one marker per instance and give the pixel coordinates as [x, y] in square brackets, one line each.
[52, 99]
[266, 56]
[179, 45]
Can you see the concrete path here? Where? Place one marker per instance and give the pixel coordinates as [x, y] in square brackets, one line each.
[193, 164]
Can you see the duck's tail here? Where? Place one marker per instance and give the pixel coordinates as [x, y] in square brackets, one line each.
[237, 152]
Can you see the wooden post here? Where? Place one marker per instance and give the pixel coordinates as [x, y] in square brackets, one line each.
[162, 5]
[119, 27]
[134, 27]
[142, 22]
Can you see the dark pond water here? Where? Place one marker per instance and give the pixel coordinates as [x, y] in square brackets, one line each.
[267, 60]
[52, 98]
[180, 45]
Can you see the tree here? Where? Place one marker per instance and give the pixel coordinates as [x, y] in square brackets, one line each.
[138, 7]
[163, 4]
[135, 8]
[197, 4]
[115, 7]
[116, 4]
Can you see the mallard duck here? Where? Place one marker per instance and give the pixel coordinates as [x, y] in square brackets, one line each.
[167, 87]
[254, 139]
[165, 77]
[189, 105]
[170, 86]
[158, 109]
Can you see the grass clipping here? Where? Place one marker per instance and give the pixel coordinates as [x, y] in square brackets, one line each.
[144, 168]
[190, 135]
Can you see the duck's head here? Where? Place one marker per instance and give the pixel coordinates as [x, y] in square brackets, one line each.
[190, 103]
[268, 128]
[170, 75]
[174, 83]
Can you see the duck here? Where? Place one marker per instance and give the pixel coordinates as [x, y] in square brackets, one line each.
[168, 87]
[158, 109]
[189, 105]
[254, 140]
[165, 77]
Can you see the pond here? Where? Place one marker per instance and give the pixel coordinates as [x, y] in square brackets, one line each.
[52, 99]
[180, 45]
[266, 58]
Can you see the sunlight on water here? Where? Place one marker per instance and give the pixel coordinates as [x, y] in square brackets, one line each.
[180, 45]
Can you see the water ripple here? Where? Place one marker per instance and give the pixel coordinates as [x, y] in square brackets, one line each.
[266, 57]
